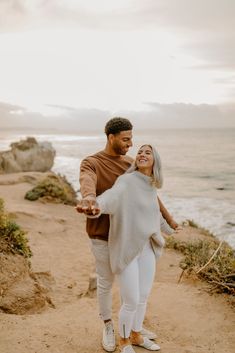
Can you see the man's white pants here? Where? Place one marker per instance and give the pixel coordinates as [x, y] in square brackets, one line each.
[105, 277]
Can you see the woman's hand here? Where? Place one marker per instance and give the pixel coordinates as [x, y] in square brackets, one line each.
[174, 225]
[88, 206]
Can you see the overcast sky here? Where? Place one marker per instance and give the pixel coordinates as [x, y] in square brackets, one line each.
[113, 55]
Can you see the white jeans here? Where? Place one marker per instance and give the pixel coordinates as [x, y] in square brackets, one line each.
[135, 285]
[136, 281]
[105, 277]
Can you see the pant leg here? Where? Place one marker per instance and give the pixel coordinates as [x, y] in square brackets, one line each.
[146, 271]
[105, 277]
[129, 288]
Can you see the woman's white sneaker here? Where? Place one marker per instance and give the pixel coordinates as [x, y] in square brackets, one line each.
[148, 344]
[127, 349]
[108, 341]
[149, 334]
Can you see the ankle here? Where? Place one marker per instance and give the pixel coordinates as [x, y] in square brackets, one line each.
[124, 341]
[106, 321]
[136, 337]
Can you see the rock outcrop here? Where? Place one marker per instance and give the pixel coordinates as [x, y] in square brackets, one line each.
[22, 291]
[26, 156]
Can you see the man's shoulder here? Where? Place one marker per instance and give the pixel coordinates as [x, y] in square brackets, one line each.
[99, 159]
[93, 157]
[101, 155]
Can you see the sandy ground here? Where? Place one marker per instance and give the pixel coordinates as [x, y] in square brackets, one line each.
[186, 318]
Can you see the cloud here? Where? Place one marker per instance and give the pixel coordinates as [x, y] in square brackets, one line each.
[216, 50]
[6, 108]
[11, 15]
[78, 121]
[28, 14]
[67, 119]
[200, 15]
[183, 116]
[226, 80]
[205, 27]
[203, 30]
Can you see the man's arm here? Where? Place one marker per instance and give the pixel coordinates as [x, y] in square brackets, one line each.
[167, 216]
[88, 181]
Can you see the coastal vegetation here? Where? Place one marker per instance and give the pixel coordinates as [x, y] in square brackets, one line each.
[12, 237]
[204, 231]
[54, 188]
[209, 259]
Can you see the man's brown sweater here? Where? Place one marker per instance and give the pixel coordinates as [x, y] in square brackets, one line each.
[97, 174]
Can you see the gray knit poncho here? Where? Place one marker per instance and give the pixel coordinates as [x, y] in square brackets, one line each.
[135, 218]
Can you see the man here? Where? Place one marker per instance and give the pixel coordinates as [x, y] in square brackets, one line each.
[97, 174]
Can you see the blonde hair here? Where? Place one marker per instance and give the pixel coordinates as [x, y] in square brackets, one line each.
[156, 177]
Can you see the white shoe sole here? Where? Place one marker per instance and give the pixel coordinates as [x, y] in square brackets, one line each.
[108, 348]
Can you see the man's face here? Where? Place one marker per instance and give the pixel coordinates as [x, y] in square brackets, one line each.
[121, 142]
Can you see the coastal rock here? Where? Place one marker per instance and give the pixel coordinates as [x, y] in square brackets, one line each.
[26, 156]
[22, 291]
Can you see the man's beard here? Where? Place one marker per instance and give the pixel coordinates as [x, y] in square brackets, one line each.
[120, 150]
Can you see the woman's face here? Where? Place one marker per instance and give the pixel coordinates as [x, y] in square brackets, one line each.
[144, 159]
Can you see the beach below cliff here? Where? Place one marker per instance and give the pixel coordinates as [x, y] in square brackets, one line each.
[186, 316]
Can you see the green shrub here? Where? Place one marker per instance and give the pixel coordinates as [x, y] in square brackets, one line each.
[53, 188]
[12, 237]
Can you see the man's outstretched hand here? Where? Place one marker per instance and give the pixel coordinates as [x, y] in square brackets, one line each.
[88, 206]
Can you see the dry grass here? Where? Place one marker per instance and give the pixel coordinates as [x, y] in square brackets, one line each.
[204, 231]
[210, 260]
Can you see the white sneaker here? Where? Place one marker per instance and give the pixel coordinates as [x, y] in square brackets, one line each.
[149, 334]
[108, 341]
[148, 344]
[127, 349]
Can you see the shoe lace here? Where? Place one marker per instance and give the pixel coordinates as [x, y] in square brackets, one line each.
[109, 332]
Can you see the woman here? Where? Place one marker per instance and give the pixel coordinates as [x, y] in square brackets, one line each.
[135, 241]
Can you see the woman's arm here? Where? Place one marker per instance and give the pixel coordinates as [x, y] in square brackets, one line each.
[109, 200]
[165, 228]
[166, 215]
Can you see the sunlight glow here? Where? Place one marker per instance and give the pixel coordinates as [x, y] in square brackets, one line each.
[106, 70]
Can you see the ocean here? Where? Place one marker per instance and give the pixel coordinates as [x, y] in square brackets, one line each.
[198, 170]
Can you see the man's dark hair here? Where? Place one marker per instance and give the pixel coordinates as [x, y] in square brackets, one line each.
[116, 125]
